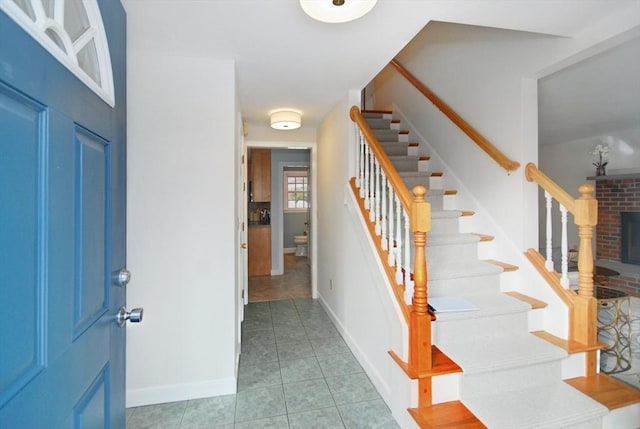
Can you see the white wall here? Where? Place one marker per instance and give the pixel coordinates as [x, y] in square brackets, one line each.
[350, 280]
[487, 76]
[181, 228]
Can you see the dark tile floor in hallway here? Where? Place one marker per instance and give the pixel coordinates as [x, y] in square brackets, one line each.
[295, 371]
[294, 283]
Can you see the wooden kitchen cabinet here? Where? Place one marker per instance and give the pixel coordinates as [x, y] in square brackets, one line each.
[259, 250]
[260, 165]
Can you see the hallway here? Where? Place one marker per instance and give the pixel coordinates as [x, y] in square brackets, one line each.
[295, 371]
[294, 283]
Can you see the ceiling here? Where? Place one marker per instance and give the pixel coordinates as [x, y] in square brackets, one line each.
[284, 59]
[595, 97]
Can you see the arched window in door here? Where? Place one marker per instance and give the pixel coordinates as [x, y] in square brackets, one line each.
[73, 32]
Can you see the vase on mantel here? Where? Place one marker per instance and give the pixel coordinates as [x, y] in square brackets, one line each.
[601, 171]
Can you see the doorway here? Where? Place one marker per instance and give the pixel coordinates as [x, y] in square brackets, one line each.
[290, 276]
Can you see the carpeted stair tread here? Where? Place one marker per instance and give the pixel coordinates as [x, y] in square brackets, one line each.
[426, 174]
[379, 123]
[459, 269]
[550, 406]
[490, 304]
[492, 351]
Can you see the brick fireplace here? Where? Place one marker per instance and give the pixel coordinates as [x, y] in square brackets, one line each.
[616, 195]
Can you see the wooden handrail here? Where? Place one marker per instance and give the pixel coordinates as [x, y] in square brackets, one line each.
[533, 174]
[506, 163]
[583, 313]
[385, 163]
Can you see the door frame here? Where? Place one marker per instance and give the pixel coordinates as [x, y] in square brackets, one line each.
[313, 245]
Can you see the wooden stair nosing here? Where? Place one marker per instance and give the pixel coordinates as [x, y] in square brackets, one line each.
[453, 415]
[569, 346]
[441, 364]
[437, 174]
[467, 213]
[483, 237]
[535, 303]
[607, 390]
[424, 158]
[505, 266]
[377, 111]
[451, 192]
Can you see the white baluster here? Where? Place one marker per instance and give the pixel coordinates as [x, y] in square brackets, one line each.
[549, 262]
[372, 177]
[564, 278]
[375, 192]
[408, 283]
[398, 241]
[360, 164]
[392, 242]
[378, 228]
[384, 242]
[364, 191]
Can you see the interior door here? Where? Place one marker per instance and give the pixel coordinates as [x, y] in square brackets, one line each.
[62, 236]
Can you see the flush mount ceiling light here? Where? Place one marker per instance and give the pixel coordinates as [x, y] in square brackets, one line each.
[285, 120]
[336, 11]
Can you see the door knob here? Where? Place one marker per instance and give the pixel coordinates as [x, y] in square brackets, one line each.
[243, 246]
[134, 316]
[122, 277]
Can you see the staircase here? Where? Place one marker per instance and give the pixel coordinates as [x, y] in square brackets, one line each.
[510, 378]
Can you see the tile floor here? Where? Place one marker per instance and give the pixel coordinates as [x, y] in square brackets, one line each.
[294, 283]
[295, 372]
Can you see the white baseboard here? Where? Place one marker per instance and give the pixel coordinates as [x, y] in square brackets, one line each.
[289, 250]
[180, 392]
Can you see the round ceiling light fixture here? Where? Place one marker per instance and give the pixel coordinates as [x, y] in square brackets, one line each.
[336, 11]
[286, 120]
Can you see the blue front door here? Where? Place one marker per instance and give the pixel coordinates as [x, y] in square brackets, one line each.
[62, 237]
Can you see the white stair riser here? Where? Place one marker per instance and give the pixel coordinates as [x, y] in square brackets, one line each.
[504, 324]
[442, 253]
[423, 164]
[461, 286]
[445, 225]
[436, 201]
[511, 379]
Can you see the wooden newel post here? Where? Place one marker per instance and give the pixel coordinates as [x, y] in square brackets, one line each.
[420, 319]
[585, 326]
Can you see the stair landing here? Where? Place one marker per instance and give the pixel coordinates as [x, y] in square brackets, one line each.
[607, 390]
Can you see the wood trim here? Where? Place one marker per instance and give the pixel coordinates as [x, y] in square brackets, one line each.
[398, 290]
[504, 265]
[446, 415]
[441, 365]
[569, 346]
[553, 278]
[533, 302]
[533, 174]
[607, 390]
[473, 134]
[385, 164]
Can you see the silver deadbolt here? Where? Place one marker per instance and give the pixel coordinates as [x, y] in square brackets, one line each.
[134, 316]
[122, 277]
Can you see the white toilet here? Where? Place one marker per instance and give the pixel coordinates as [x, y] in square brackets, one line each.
[301, 244]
